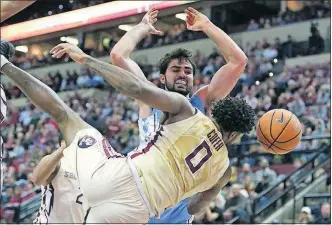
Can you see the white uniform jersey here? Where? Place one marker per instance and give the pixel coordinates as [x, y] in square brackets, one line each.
[3, 110]
[62, 201]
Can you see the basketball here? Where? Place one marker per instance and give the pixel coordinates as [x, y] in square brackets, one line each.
[279, 131]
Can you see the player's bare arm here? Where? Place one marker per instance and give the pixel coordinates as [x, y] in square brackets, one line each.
[128, 84]
[226, 77]
[46, 99]
[120, 54]
[10, 8]
[48, 167]
[201, 200]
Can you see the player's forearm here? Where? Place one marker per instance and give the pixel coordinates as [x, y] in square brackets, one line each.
[126, 45]
[228, 48]
[200, 201]
[39, 93]
[122, 80]
[46, 167]
[10, 8]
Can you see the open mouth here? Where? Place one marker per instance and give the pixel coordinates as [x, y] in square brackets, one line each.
[181, 83]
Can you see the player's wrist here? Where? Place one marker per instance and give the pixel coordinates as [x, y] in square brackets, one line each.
[3, 62]
[207, 26]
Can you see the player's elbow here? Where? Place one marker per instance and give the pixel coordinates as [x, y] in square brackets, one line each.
[116, 56]
[37, 180]
[242, 61]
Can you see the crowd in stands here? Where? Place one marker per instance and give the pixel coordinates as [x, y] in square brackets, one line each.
[178, 33]
[310, 10]
[30, 134]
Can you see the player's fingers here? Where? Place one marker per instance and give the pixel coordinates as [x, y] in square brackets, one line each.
[194, 11]
[189, 13]
[55, 49]
[151, 10]
[60, 53]
[157, 32]
[154, 20]
[154, 14]
[63, 144]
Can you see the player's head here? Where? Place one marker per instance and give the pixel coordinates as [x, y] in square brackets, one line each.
[234, 116]
[177, 69]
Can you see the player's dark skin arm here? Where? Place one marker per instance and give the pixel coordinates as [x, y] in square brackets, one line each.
[201, 200]
[128, 84]
[46, 99]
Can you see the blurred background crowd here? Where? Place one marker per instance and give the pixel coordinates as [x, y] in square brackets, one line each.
[266, 84]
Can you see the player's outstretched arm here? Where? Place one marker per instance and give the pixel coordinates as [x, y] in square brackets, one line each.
[127, 83]
[46, 99]
[48, 167]
[10, 8]
[201, 200]
[226, 77]
[120, 54]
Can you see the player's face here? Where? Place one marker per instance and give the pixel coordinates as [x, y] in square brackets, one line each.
[179, 77]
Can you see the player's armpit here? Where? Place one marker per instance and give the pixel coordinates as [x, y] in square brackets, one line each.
[201, 200]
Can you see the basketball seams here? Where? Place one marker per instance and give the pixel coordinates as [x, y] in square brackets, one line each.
[271, 125]
[260, 129]
[282, 142]
[290, 118]
[270, 142]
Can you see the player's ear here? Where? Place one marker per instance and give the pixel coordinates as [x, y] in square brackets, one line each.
[162, 78]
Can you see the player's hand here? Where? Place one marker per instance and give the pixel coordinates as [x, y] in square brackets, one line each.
[62, 147]
[74, 52]
[150, 18]
[195, 20]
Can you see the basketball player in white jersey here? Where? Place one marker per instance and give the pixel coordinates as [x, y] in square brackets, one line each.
[187, 155]
[8, 51]
[62, 201]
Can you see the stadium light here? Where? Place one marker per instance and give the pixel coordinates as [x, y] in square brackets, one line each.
[22, 48]
[257, 82]
[125, 27]
[271, 74]
[181, 16]
[70, 40]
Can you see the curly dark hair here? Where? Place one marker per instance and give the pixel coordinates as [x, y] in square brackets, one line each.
[178, 53]
[234, 114]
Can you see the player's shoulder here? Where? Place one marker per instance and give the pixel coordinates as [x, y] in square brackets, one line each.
[197, 102]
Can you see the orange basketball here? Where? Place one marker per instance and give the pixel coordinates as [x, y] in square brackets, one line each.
[279, 131]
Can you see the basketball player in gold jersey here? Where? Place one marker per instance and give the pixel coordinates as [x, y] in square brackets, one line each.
[177, 71]
[187, 155]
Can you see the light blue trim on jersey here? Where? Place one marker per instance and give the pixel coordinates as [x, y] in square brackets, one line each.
[178, 213]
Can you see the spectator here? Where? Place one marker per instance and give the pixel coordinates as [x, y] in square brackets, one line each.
[297, 106]
[266, 171]
[316, 43]
[325, 217]
[305, 216]
[289, 46]
[263, 184]
[246, 171]
[252, 25]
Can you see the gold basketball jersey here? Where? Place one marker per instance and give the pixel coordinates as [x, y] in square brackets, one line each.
[182, 159]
